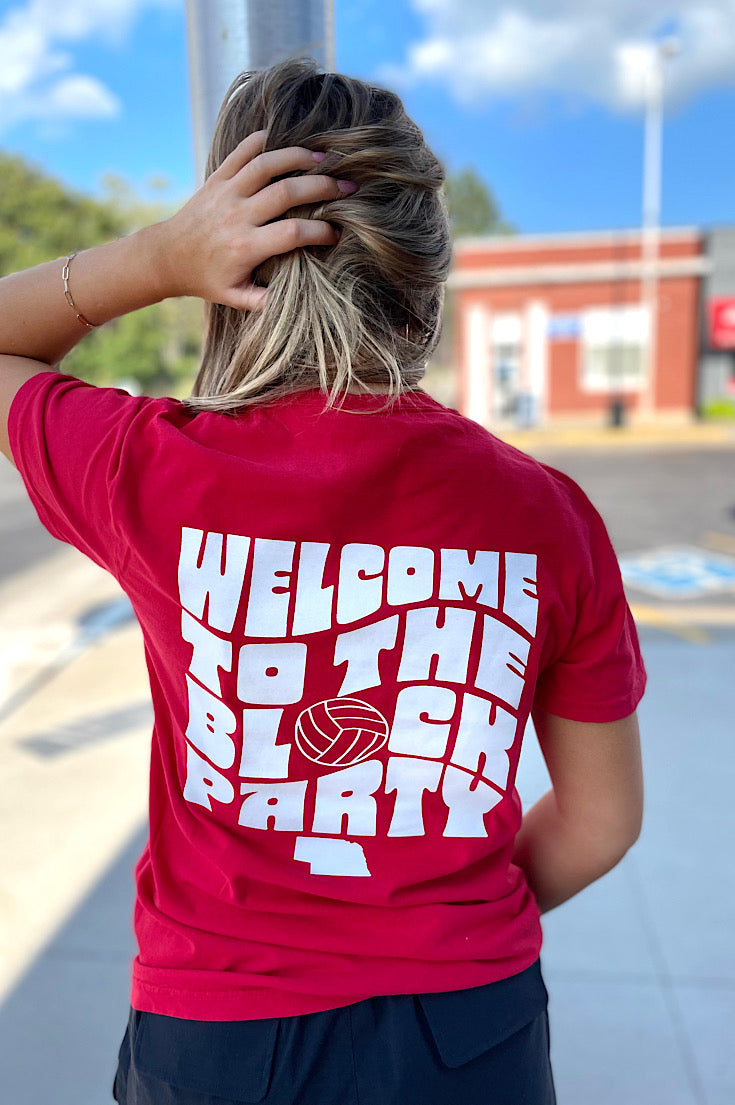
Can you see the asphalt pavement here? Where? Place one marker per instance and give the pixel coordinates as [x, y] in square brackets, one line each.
[640, 966]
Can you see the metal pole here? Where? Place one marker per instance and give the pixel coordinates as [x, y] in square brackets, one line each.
[219, 49]
[227, 37]
[651, 218]
[330, 56]
[651, 231]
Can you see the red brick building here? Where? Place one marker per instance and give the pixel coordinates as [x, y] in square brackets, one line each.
[560, 327]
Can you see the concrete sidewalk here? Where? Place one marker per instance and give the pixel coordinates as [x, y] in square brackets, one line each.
[640, 966]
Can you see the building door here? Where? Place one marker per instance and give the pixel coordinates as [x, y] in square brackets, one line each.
[506, 356]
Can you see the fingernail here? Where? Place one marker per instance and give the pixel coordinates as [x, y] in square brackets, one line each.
[318, 156]
[347, 187]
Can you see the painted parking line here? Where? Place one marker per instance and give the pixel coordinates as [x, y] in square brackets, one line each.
[723, 542]
[663, 618]
[680, 575]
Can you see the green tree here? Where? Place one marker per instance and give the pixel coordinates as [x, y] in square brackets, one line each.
[41, 219]
[472, 206]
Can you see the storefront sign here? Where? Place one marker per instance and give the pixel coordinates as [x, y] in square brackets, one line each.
[564, 327]
[722, 322]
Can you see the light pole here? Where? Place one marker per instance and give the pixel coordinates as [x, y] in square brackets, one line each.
[651, 231]
[227, 37]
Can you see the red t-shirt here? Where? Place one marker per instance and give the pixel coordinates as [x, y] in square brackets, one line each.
[347, 617]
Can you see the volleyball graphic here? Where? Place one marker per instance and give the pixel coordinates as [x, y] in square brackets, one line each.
[340, 732]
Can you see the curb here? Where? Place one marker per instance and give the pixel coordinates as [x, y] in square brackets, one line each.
[711, 436]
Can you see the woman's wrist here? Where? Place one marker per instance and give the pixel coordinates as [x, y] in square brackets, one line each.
[122, 276]
[157, 247]
[38, 321]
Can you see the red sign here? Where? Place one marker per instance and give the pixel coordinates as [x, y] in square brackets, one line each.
[722, 322]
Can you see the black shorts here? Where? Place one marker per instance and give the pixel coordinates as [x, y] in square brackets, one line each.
[488, 1045]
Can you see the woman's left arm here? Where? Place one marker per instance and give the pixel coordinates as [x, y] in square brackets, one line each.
[207, 249]
[37, 322]
[37, 325]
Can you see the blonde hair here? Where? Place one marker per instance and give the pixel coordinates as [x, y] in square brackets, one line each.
[366, 312]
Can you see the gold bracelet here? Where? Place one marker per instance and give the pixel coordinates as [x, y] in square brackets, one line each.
[67, 293]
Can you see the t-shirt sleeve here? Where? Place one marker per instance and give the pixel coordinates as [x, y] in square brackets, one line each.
[597, 674]
[67, 439]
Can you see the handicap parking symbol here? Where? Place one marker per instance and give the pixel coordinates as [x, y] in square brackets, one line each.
[679, 572]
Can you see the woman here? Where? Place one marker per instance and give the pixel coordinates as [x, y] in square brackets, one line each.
[347, 623]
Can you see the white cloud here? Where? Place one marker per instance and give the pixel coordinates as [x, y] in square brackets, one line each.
[38, 77]
[78, 97]
[481, 50]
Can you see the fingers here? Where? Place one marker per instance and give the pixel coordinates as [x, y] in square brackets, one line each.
[248, 298]
[268, 241]
[257, 201]
[252, 174]
[255, 168]
[260, 170]
[242, 154]
[275, 200]
[289, 234]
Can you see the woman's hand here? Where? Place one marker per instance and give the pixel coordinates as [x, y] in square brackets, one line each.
[212, 245]
[208, 249]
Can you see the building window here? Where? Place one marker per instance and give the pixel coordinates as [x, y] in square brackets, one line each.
[613, 347]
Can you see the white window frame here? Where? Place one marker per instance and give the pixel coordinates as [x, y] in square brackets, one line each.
[625, 327]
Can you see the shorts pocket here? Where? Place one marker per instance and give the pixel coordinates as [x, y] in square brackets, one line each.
[466, 1023]
[228, 1059]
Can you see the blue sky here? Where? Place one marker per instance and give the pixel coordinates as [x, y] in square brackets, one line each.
[547, 107]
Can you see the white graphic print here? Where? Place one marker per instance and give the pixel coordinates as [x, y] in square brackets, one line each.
[447, 631]
[340, 731]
